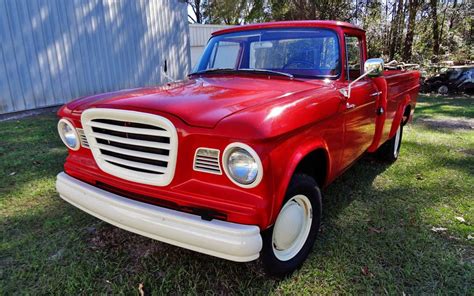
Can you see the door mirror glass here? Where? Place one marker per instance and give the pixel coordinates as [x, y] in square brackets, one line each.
[374, 67]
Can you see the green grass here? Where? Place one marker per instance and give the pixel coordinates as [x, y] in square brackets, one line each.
[376, 236]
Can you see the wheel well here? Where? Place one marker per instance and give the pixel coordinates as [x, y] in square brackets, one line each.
[406, 114]
[315, 165]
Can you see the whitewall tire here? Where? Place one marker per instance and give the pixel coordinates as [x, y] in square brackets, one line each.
[390, 150]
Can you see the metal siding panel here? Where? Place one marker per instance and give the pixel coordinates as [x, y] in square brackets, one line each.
[21, 25]
[36, 18]
[21, 55]
[115, 42]
[185, 50]
[53, 50]
[135, 20]
[61, 54]
[96, 45]
[84, 24]
[67, 49]
[106, 48]
[6, 104]
[155, 50]
[161, 45]
[80, 58]
[37, 79]
[199, 34]
[124, 32]
[103, 47]
[10, 59]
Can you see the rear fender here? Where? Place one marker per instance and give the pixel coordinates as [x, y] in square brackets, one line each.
[399, 115]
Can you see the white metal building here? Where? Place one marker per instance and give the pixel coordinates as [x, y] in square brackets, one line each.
[52, 51]
[200, 34]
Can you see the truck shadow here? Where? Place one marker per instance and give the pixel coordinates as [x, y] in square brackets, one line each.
[365, 226]
[372, 219]
[214, 274]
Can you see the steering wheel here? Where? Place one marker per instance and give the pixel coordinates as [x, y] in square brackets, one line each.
[293, 62]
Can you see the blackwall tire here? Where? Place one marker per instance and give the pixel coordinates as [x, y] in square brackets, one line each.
[287, 244]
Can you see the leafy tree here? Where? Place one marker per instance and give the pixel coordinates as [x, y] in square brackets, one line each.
[421, 31]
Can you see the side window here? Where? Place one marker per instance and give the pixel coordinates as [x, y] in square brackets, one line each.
[224, 55]
[354, 57]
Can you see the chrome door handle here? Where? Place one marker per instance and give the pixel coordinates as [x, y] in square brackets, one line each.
[375, 94]
[350, 106]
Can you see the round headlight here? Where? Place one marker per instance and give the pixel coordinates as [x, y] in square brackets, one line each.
[68, 134]
[242, 165]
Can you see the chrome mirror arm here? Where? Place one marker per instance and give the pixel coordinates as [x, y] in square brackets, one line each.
[346, 92]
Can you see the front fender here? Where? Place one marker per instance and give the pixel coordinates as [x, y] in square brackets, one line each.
[284, 165]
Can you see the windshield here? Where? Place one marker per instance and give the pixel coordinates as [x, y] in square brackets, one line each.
[306, 53]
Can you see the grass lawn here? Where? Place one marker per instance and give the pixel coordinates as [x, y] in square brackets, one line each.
[404, 228]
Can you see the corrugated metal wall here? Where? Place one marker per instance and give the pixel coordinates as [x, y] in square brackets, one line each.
[52, 51]
[199, 35]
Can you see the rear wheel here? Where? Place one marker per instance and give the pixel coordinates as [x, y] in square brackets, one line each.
[390, 150]
[289, 241]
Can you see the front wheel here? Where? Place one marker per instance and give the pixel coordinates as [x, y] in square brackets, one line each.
[289, 241]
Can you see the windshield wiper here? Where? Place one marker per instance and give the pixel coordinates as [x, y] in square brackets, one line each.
[243, 70]
[265, 71]
[315, 76]
[215, 70]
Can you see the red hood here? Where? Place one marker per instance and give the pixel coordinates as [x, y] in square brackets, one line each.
[198, 102]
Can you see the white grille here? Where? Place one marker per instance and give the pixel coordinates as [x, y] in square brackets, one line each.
[134, 146]
[82, 138]
[207, 160]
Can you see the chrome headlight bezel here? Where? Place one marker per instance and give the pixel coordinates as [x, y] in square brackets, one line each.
[66, 123]
[235, 147]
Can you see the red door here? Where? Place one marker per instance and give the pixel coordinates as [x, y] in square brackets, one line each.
[360, 107]
[359, 120]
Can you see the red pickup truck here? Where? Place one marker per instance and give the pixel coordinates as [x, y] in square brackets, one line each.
[230, 162]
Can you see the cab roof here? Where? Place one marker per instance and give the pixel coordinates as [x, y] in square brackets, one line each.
[288, 24]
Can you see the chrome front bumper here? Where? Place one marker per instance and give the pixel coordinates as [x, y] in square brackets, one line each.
[222, 239]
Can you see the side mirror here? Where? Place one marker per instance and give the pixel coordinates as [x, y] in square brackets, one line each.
[374, 67]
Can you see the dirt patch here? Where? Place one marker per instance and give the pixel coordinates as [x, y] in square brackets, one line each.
[469, 152]
[28, 113]
[115, 240]
[447, 123]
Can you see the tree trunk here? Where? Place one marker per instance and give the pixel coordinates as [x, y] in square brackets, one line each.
[442, 25]
[198, 11]
[435, 27]
[396, 32]
[453, 12]
[196, 7]
[413, 9]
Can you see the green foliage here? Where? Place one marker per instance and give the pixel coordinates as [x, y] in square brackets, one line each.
[396, 29]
